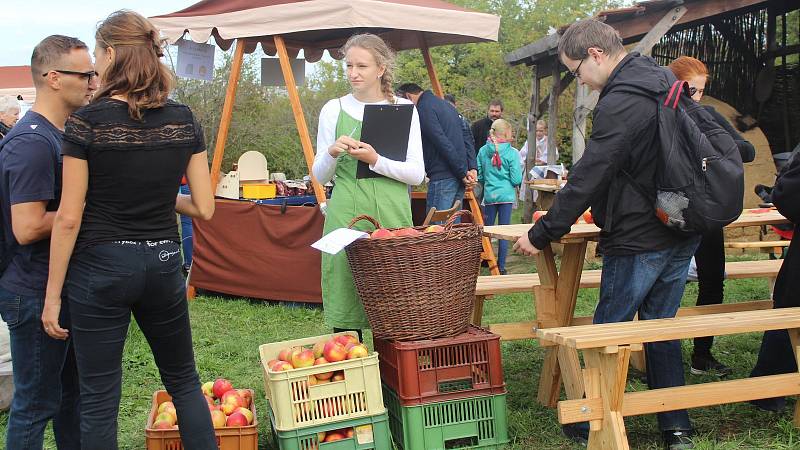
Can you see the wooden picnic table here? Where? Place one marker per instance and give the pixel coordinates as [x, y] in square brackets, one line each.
[556, 295]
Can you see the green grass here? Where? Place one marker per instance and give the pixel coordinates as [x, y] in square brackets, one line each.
[227, 333]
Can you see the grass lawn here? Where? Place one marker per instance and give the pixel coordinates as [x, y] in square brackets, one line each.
[227, 333]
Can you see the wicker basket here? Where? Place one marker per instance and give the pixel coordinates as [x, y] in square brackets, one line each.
[418, 287]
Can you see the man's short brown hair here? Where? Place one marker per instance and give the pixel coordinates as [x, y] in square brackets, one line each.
[50, 51]
[576, 40]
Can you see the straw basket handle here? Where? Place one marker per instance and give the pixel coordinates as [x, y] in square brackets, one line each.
[364, 217]
[448, 226]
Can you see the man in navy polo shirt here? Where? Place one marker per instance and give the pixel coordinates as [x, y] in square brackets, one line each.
[45, 377]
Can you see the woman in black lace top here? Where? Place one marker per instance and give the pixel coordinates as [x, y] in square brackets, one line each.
[124, 155]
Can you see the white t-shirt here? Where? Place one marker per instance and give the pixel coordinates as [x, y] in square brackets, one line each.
[411, 171]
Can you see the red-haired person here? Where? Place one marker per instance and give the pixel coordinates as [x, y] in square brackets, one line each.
[124, 155]
[710, 255]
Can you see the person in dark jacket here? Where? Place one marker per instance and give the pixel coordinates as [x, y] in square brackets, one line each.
[644, 263]
[480, 128]
[710, 254]
[469, 146]
[9, 114]
[448, 165]
[776, 355]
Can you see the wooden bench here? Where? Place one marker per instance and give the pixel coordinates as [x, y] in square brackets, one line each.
[491, 285]
[607, 349]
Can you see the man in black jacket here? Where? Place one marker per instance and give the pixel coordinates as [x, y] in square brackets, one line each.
[450, 167]
[644, 263]
[480, 128]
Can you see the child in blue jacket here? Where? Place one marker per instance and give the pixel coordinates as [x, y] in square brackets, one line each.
[499, 173]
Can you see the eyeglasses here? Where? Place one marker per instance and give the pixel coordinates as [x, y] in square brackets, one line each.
[85, 75]
[694, 90]
[576, 73]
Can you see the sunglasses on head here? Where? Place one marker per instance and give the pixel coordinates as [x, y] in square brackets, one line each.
[694, 90]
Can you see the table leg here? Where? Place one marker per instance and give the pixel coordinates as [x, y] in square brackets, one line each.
[477, 310]
[560, 301]
[612, 369]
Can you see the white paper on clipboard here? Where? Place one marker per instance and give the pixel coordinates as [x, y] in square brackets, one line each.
[333, 242]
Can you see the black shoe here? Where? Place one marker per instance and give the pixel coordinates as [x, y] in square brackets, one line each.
[576, 433]
[707, 364]
[774, 405]
[503, 271]
[678, 439]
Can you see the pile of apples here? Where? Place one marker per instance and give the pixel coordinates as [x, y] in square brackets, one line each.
[335, 435]
[586, 216]
[229, 407]
[383, 233]
[338, 348]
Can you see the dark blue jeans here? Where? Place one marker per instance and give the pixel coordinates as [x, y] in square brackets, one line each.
[651, 284]
[503, 213]
[105, 284]
[443, 193]
[45, 377]
[186, 233]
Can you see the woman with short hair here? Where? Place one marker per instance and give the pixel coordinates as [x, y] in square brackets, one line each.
[9, 113]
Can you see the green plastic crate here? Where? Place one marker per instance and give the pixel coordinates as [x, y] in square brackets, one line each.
[476, 422]
[369, 433]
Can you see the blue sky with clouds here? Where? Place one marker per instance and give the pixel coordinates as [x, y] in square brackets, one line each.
[26, 22]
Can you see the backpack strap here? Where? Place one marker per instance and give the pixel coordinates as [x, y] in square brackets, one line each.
[676, 90]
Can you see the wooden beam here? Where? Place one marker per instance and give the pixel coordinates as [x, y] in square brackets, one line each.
[552, 112]
[530, 160]
[579, 124]
[227, 113]
[562, 85]
[299, 118]
[426, 55]
[684, 397]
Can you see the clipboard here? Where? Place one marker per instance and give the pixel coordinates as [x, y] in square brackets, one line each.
[385, 128]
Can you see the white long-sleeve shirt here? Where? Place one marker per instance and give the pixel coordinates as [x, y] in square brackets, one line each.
[411, 171]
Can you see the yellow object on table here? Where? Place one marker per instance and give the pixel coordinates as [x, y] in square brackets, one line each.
[259, 191]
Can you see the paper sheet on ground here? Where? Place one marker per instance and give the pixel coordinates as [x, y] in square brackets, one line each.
[338, 239]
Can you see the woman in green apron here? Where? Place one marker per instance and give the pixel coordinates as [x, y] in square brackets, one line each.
[369, 71]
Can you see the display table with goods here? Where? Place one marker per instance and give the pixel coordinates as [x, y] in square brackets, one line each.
[233, 414]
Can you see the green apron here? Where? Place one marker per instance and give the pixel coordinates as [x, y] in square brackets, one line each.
[385, 199]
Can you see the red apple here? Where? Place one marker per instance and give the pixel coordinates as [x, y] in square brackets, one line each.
[338, 376]
[162, 425]
[538, 215]
[218, 418]
[407, 232]
[246, 396]
[587, 216]
[345, 339]
[358, 351]
[208, 388]
[247, 413]
[319, 347]
[232, 397]
[334, 436]
[334, 351]
[221, 386]
[280, 366]
[349, 432]
[321, 436]
[381, 233]
[434, 229]
[165, 416]
[303, 358]
[236, 419]
[325, 375]
[286, 354]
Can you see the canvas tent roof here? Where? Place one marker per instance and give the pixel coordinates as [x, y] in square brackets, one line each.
[318, 25]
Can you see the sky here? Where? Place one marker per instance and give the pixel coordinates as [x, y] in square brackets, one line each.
[26, 22]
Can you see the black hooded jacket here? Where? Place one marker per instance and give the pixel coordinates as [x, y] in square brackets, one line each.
[624, 137]
[786, 197]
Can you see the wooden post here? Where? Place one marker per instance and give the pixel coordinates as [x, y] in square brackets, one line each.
[299, 118]
[579, 126]
[426, 55]
[530, 159]
[552, 112]
[227, 113]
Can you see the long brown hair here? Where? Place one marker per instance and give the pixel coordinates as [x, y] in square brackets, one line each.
[136, 71]
[383, 54]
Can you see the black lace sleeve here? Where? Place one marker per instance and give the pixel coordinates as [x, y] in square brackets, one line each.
[199, 137]
[78, 135]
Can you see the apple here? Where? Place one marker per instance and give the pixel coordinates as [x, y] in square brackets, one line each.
[338, 376]
[434, 229]
[538, 215]
[218, 418]
[303, 358]
[312, 380]
[280, 366]
[165, 416]
[221, 386]
[349, 432]
[324, 375]
[162, 425]
[346, 339]
[587, 216]
[236, 419]
[209, 400]
[286, 354]
[334, 351]
[403, 232]
[208, 388]
[319, 347]
[163, 406]
[336, 435]
[229, 408]
[358, 351]
[246, 396]
[246, 413]
[323, 381]
[381, 233]
[232, 397]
